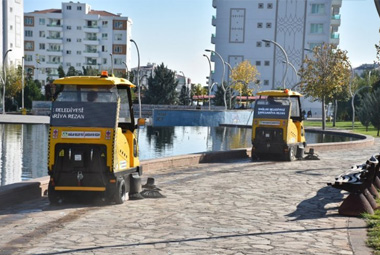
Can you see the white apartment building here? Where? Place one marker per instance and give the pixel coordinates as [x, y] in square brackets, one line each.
[295, 25]
[75, 36]
[12, 12]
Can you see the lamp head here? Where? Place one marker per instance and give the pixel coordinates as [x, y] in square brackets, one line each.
[265, 40]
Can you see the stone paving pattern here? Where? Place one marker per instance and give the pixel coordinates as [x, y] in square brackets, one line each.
[238, 207]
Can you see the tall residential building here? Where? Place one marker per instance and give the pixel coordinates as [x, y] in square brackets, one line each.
[75, 36]
[295, 25]
[12, 12]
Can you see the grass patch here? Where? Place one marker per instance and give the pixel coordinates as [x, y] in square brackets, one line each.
[373, 222]
[346, 125]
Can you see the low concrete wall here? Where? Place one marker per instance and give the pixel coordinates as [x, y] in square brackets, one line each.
[213, 118]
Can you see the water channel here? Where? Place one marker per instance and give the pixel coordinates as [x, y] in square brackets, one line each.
[23, 153]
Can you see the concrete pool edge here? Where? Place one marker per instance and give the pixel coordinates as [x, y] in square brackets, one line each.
[36, 188]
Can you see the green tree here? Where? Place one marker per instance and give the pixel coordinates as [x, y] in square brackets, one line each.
[373, 102]
[184, 98]
[218, 100]
[162, 87]
[242, 75]
[325, 75]
[364, 112]
[89, 71]
[61, 72]
[72, 72]
[199, 90]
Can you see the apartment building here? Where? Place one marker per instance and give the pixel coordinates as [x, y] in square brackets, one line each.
[294, 25]
[75, 36]
[11, 12]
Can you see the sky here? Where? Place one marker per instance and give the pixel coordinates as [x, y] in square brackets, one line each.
[176, 32]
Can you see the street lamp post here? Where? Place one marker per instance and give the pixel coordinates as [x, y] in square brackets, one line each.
[230, 68]
[22, 84]
[209, 82]
[111, 63]
[286, 57]
[187, 86]
[294, 69]
[138, 74]
[224, 71]
[126, 67]
[4, 77]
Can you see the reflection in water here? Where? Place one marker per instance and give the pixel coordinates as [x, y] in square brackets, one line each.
[157, 142]
[23, 153]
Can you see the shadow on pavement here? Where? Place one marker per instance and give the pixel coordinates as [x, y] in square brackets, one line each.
[314, 207]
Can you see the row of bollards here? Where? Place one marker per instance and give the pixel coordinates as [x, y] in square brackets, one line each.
[362, 182]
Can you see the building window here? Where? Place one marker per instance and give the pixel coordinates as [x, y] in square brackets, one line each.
[118, 61]
[78, 65]
[266, 82]
[79, 52]
[68, 7]
[79, 40]
[118, 37]
[103, 48]
[28, 33]
[29, 21]
[104, 61]
[260, 6]
[259, 25]
[92, 23]
[79, 28]
[42, 46]
[104, 36]
[267, 44]
[68, 52]
[119, 48]
[313, 45]
[28, 58]
[104, 23]
[68, 64]
[258, 44]
[42, 21]
[79, 8]
[68, 27]
[269, 25]
[316, 28]
[42, 34]
[318, 8]
[258, 63]
[119, 25]
[269, 6]
[68, 39]
[29, 46]
[266, 63]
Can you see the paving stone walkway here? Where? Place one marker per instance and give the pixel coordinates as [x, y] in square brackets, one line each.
[239, 207]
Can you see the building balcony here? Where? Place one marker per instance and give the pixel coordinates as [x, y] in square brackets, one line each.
[213, 21]
[91, 41]
[334, 38]
[54, 39]
[91, 54]
[214, 3]
[336, 3]
[213, 38]
[90, 63]
[91, 29]
[335, 20]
